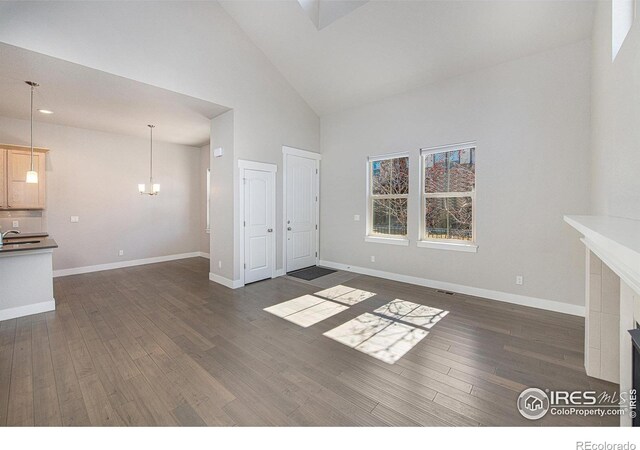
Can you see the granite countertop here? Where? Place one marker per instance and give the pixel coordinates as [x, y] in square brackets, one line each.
[24, 242]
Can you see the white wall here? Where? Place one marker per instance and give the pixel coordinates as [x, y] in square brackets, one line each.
[615, 122]
[193, 48]
[530, 118]
[95, 175]
[224, 187]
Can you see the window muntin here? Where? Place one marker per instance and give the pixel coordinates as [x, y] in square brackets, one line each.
[388, 196]
[448, 194]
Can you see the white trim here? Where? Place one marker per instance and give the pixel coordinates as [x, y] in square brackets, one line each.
[387, 240]
[255, 165]
[388, 156]
[278, 273]
[448, 148]
[303, 153]
[231, 284]
[122, 264]
[259, 167]
[27, 310]
[454, 246]
[507, 297]
[204, 255]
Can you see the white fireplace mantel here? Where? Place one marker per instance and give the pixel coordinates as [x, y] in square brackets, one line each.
[612, 296]
[616, 241]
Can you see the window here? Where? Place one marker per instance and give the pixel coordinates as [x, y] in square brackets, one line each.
[448, 197]
[208, 200]
[388, 195]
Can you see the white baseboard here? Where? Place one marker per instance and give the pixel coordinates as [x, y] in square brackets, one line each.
[27, 310]
[523, 300]
[204, 255]
[231, 284]
[122, 264]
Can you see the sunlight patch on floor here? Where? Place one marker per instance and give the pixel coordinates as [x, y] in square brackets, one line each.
[311, 309]
[391, 332]
[345, 294]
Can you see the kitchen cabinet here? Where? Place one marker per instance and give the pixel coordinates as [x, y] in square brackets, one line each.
[15, 192]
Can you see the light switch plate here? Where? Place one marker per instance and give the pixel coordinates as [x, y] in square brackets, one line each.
[356, 217]
[16, 224]
[75, 219]
[121, 253]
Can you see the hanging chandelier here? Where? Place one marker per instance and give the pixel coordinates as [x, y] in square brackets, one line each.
[32, 175]
[154, 188]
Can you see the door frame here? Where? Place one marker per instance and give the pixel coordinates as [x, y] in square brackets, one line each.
[286, 151]
[262, 167]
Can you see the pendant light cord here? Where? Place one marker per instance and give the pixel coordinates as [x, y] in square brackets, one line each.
[32, 89]
[151, 159]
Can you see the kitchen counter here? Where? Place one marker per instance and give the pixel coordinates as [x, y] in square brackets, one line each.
[24, 242]
[26, 275]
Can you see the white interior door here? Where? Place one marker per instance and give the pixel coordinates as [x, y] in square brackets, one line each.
[259, 214]
[301, 212]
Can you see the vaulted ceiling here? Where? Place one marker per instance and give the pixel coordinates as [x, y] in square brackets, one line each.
[88, 98]
[381, 48]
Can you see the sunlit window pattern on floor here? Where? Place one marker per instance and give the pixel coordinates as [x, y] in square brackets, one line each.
[389, 333]
[344, 294]
[311, 309]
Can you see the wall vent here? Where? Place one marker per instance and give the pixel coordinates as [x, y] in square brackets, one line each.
[445, 292]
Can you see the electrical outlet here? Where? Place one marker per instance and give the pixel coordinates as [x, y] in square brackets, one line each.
[219, 264]
[75, 219]
[16, 224]
[519, 280]
[121, 253]
[356, 217]
[373, 259]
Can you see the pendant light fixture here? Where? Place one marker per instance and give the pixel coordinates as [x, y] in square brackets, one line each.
[32, 175]
[154, 188]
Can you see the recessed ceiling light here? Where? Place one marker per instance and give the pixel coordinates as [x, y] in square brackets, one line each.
[45, 111]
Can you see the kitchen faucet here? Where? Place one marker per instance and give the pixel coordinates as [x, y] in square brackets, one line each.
[2, 235]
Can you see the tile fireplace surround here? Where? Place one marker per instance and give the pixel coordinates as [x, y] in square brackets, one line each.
[612, 296]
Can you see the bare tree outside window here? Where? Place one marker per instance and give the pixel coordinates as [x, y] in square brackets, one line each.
[389, 192]
[449, 194]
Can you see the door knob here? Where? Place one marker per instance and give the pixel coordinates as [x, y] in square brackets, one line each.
[288, 228]
[270, 230]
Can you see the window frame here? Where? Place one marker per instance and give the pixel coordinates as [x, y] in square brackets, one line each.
[392, 239]
[446, 244]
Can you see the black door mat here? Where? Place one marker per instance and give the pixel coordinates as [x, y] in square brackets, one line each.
[310, 273]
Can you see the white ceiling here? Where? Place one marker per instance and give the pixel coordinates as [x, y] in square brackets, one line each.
[383, 48]
[88, 98]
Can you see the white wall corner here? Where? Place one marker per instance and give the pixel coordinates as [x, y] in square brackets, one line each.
[226, 282]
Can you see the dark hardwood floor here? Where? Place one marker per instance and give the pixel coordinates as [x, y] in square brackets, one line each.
[161, 345]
